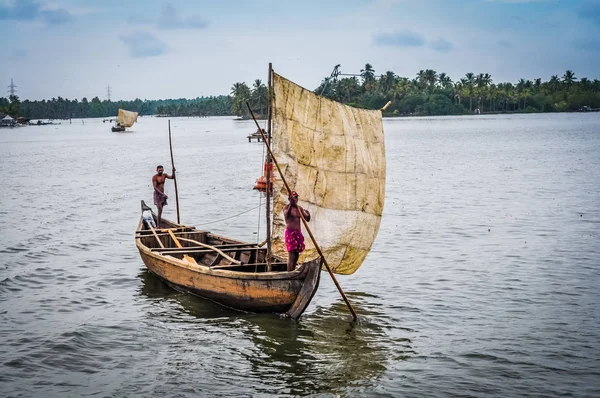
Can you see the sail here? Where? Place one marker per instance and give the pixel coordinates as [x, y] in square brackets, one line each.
[333, 156]
[126, 118]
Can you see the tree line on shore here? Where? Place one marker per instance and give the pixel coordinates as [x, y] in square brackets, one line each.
[433, 93]
[61, 108]
[428, 93]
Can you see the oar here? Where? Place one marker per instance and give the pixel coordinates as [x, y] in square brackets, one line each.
[155, 235]
[314, 241]
[174, 174]
[233, 260]
[186, 257]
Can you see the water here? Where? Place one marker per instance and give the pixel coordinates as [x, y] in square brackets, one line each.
[483, 280]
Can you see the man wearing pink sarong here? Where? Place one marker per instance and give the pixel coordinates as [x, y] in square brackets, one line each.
[294, 240]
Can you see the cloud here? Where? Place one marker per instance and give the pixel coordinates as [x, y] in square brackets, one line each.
[33, 10]
[504, 44]
[442, 45]
[56, 17]
[20, 53]
[142, 44]
[169, 19]
[590, 11]
[517, 1]
[588, 44]
[405, 38]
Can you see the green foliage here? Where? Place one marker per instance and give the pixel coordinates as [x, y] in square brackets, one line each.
[60, 108]
[438, 104]
[10, 106]
[428, 93]
[433, 93]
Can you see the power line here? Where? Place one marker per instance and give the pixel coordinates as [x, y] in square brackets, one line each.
[108, 92]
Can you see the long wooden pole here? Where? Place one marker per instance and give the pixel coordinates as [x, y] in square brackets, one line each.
[314, 241]
[174, 175]
[268, 177]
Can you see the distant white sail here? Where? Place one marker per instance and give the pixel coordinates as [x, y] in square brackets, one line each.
[126, 118]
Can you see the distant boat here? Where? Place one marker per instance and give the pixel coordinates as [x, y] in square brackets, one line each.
[124, 119]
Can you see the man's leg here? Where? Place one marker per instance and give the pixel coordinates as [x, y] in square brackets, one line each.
[293, 260]
[159, 216]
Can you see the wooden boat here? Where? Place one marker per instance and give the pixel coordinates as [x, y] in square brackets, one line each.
[124, 119]
[333, 156]
[230, 272]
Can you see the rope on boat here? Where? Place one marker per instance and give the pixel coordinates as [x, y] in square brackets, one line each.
[227, 218]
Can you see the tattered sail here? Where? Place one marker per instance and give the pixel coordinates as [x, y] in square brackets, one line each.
[126, 118]
[333, 155]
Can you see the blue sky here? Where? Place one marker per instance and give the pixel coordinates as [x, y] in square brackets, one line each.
[160, 49]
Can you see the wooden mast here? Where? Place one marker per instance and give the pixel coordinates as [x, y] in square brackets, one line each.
[174, 176]
[268, 171]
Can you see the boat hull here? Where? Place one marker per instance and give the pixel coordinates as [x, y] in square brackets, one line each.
[211, 276]
[237, 289]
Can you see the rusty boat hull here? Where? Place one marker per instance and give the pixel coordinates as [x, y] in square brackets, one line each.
[230, 272]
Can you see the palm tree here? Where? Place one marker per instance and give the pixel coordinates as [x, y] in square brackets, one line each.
[537, 84]
[458, 89]
[403, 87]
[387, 82]
[368, 74]
[445, 80]
[585, 83]
[482, 81]
[240, 93]
[492, 95]
[431, 78]
[347, 89]
[554, 83]
[259, 96]
[470, 86]
[569, 79]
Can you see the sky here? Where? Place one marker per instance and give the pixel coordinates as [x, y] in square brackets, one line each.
[152, 49]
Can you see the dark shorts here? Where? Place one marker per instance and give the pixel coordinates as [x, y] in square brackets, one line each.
[160, 200]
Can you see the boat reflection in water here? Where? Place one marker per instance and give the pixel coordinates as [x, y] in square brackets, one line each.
[322, 353]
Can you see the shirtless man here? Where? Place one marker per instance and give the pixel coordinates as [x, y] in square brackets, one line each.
[294, 240]
[160, 198]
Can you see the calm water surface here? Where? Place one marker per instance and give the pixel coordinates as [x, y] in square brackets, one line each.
[484, 279]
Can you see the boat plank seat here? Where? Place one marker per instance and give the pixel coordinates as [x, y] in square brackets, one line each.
[200, 249]
[247, 265]
[144, 233]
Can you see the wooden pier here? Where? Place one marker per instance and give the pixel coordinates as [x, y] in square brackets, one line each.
[255, 136]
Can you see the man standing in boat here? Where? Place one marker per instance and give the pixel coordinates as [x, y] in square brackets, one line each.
[160, 198]
[294, 240]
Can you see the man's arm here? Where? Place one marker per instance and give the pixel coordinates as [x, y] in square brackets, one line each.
[286, 211]
[305, 213]
[170, 177]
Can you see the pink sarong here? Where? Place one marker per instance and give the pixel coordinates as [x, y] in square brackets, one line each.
[294, 240]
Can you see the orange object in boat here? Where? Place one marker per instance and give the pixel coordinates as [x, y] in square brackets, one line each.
[261, 182]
